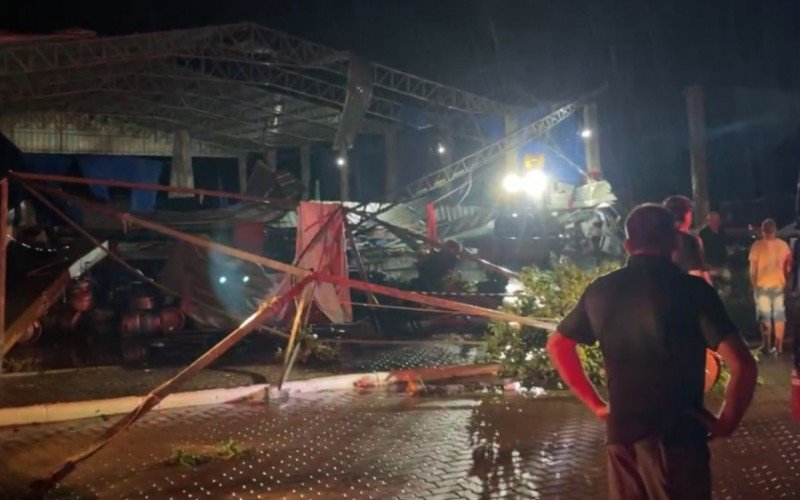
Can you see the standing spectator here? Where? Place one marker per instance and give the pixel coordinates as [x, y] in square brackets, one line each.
[770, 264]
[654, 323]
[716, 252]
[688, 255]
[596, 238]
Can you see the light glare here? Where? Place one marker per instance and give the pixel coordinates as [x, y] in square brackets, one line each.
[534, 183]
[512, 183]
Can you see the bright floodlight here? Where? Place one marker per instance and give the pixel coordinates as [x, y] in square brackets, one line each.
[512, 183]
[586, 133]
[340, 161]
[246, 279]
[222, 280]
[534, 183]
[441, 149]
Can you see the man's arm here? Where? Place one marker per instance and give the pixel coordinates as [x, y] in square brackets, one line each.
[740, 388]
[787, 265]
[702, 273]
[563, 353]
[753, 273]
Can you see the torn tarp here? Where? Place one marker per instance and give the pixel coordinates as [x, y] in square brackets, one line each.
[321, 246]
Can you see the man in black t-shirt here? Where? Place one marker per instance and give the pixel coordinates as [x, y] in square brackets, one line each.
[716, 252]
[654, 324]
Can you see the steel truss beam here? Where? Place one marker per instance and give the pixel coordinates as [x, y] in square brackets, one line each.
[239, 46]
[471, 163]
[485, 155]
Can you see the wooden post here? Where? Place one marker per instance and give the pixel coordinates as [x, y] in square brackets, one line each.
[390, 145]
[697, 151]
[591, 142]
[362, 272]
[3, 263]
[291, 349]
[305, 170]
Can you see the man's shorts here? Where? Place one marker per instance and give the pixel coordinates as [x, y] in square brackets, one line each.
[769, 304]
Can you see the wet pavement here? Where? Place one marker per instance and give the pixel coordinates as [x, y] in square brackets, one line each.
[60, 386]
[379, 445]
[114, 381]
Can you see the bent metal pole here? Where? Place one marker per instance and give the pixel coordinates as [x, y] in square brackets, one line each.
[285, 204]
[276, 265]
[150, 401]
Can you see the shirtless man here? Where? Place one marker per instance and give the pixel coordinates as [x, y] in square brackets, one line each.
[770, 264]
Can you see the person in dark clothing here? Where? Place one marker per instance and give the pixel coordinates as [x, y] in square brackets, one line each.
[438, 265]
[654, 323]
[716, 252]
[596, 237]
[714, 241]
[688, 254]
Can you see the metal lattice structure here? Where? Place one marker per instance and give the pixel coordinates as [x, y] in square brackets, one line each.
[239, 86]
[469, 164]
[484, 156]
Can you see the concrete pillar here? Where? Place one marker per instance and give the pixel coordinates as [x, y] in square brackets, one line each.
[512, 155]
[344, 175]
[181, 174]
[305, 170]
[447, 143]
[697, 151]
[591, 138]
[272, 160]
[390, 150]
[242, 169]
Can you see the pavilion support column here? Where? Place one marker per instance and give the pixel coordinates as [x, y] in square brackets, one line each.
[446, 143]
[697, 151]
[390, 150]
[305, 170]
[592, 141]
[272, 160]
[512, 155]
[242, 170]
[181, 174]
[344, 176]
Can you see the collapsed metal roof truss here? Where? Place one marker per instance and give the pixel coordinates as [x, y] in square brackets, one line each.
[239, 86]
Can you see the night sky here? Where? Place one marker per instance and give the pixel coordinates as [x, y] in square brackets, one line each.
[527, 51]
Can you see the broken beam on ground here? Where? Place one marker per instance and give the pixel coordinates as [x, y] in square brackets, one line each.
[276, 265]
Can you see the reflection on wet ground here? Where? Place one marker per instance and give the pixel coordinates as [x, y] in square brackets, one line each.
[376, 445]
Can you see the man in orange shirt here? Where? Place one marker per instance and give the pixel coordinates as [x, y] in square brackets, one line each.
[770, 263]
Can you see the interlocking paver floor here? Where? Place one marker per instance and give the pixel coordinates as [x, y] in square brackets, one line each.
[378, 445]
[114, 381]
